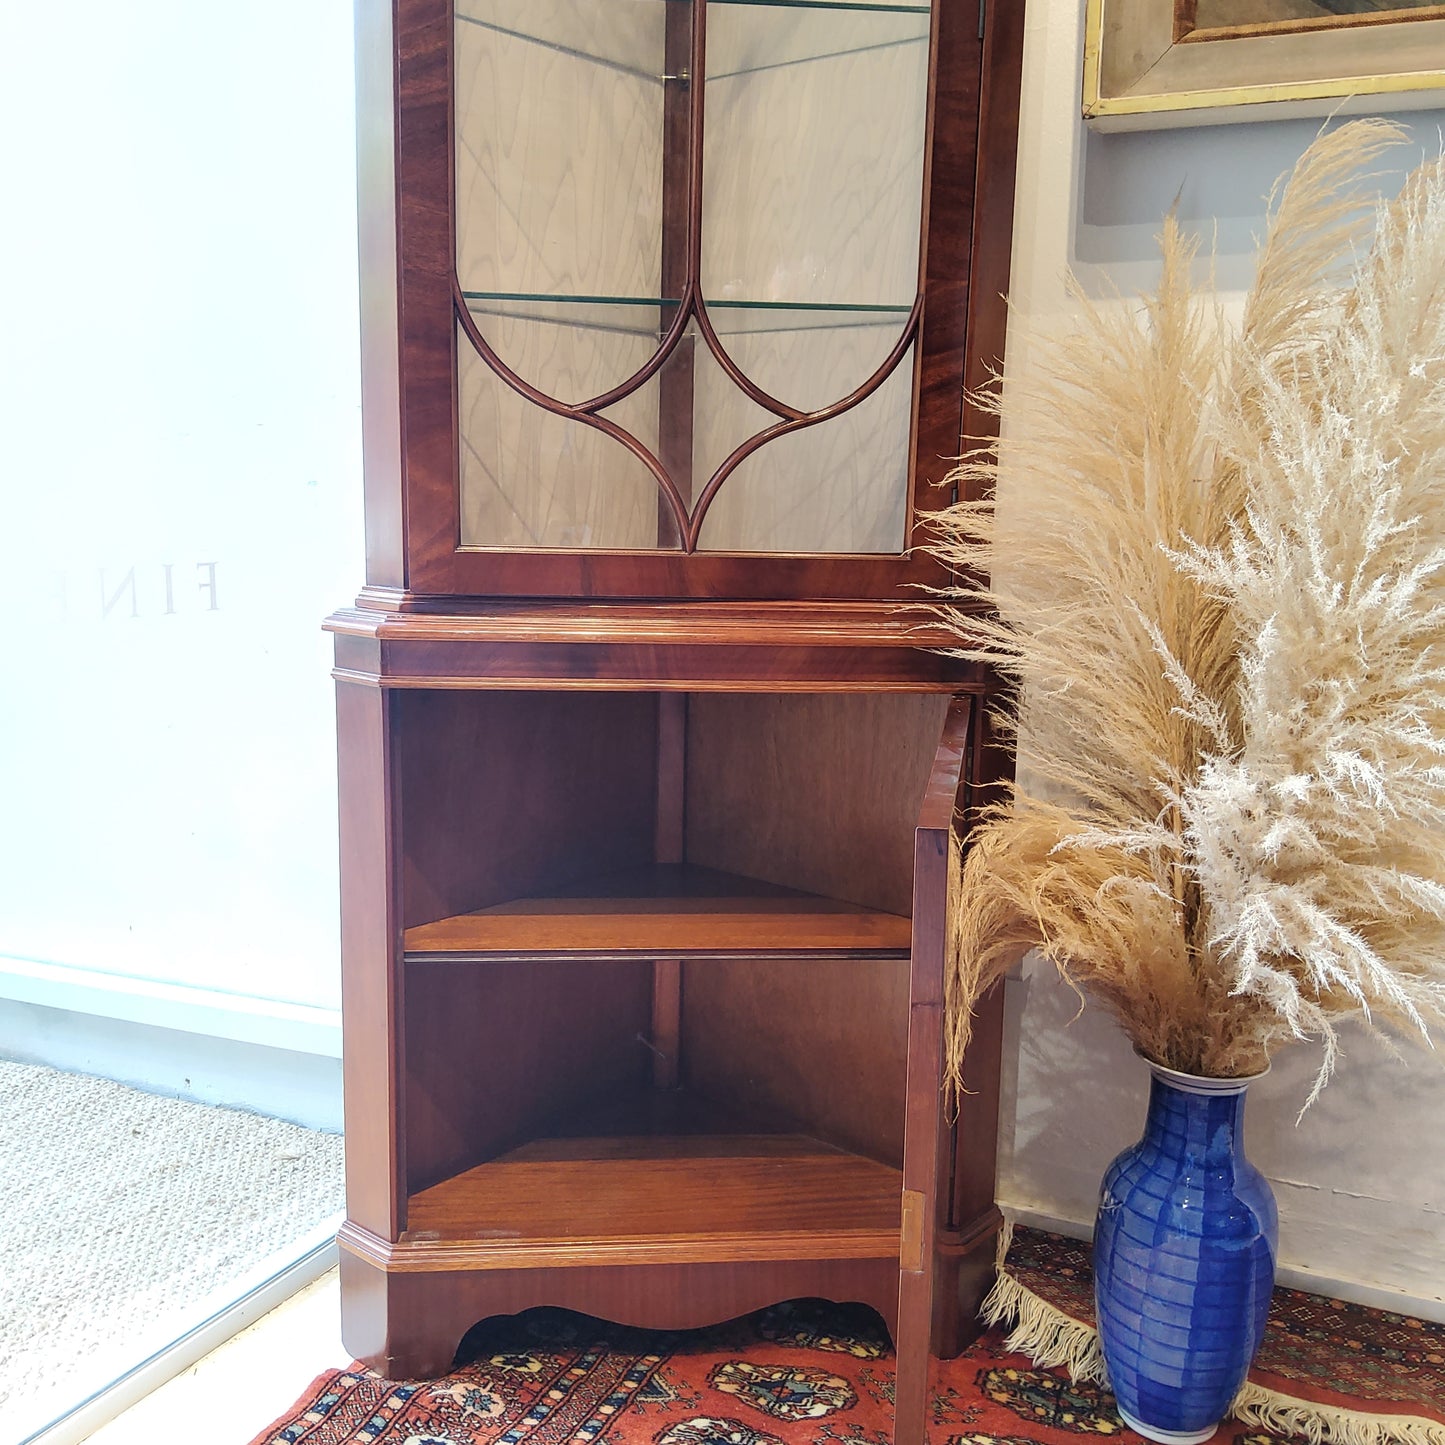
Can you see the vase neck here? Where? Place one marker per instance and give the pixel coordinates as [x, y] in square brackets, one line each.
[1201, 1083]
[1209, 1125]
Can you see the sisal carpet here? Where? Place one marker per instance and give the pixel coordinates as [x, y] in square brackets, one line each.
[804, 1373]
[122, 1216]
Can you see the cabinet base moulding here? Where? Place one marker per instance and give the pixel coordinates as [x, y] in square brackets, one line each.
[408, 1325]
[423, 1255]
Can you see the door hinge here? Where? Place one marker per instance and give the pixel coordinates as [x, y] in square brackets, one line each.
[910, 1243]
[982, 16]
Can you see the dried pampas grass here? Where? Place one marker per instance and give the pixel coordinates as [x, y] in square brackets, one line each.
[1218, 592]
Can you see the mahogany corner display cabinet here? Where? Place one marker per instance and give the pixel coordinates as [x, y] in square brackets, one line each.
[649, 778]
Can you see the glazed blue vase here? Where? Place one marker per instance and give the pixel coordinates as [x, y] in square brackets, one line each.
[1184, 1252]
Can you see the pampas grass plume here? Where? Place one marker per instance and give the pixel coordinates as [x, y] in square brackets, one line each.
[1217, 591]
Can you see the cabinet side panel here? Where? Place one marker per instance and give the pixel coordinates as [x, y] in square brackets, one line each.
[976, 1125]
[495, 1051]
[926, 1153]
[948, 257]
[821, 1044]
[370, 934]
[819, 792]
[376, 254]
[510, 794]
[993, 204]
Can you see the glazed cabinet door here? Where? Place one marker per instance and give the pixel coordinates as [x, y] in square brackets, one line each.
[676, 299]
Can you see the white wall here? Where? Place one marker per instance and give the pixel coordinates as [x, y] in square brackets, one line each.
[180, 499]
[1361, 1180]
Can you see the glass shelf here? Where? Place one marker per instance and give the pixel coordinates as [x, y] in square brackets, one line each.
[826, 5]
[783, 32]
[645, 315]
[874, 6]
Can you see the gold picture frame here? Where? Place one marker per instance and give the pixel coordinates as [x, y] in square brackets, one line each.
[1158, 63]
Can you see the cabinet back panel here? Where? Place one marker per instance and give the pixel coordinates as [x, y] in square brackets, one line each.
[509, 794]
[495, 1051]
[813, 791]
[819, 792]
[823, 1044]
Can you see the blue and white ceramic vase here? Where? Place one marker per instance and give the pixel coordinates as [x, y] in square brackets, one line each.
[1184, 1252]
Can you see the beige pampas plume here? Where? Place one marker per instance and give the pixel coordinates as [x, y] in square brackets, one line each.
[1218, 592]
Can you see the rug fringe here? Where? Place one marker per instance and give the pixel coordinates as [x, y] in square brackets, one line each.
[1046, 1334]
[1001, 1302]
[1049, 1337]
[1003, 1243]
[1330, 1424]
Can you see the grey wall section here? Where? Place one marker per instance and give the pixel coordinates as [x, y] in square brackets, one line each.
[303, 1088]
[1361, 1178]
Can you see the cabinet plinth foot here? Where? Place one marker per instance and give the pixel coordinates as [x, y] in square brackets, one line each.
[392, 1326]
[965, 1271]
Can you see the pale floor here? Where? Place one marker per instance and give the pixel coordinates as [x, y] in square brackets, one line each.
[245, 1384]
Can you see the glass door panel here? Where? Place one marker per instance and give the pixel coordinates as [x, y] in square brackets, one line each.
[837, 486]
[570, 348]
[558, 155]
[809, 357]
[532, 478]
[680, 226]
[813, 157]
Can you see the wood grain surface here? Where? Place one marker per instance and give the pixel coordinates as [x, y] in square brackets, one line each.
[513, 794]
[930, 1137]
[662, 1200]
[670, 910]
[494, 1054]
[370, 928]
[813, 792]
[822, 1042]
[399, 641]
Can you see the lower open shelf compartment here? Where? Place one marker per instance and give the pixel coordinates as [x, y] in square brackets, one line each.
[669, 1184]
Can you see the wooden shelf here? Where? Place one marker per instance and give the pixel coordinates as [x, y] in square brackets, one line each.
[656, 1199]
[667, 911]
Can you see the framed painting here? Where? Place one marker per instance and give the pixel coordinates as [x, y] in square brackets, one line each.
[1155, 63]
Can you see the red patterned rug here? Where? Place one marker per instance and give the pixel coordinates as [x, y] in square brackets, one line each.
[806, 1373]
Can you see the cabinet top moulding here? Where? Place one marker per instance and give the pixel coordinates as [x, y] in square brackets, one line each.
[707, 646]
